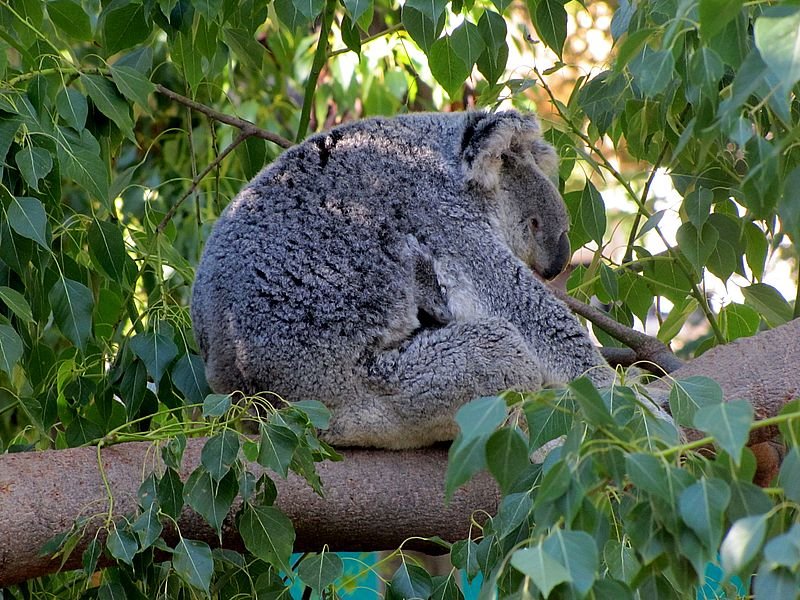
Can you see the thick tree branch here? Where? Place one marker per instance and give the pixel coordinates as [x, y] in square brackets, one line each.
[374, 500]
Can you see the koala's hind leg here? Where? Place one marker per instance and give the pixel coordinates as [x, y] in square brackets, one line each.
[413, 392]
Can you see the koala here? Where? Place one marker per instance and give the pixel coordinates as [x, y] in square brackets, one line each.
[386, 268]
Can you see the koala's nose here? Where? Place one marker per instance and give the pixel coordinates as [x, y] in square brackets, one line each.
[559, 259]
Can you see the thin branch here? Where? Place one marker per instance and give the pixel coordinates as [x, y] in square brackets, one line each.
[320, 56]
[243, 135]
[245, 126]
[371, 38]
[648, 349]
[695, 291]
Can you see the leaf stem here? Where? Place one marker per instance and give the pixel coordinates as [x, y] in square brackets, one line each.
[320, 56]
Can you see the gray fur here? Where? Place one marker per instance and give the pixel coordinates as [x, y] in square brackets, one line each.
[384, 268]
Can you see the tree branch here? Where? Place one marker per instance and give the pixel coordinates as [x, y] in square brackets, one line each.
[243, 135]
[648, 350]
[374, 500]
[245, 126]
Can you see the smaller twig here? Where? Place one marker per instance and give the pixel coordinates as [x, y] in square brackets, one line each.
[647, 349]
[368, 39]
[245, 126]
[243, 135]
[320, 57]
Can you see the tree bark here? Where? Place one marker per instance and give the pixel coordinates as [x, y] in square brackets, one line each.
[374, 499]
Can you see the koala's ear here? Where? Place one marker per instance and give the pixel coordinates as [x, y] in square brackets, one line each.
[488, 137]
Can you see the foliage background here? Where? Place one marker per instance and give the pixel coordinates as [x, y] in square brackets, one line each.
[122, 139]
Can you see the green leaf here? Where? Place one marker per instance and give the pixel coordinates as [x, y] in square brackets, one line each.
[550, 21]
[209, 8]
[465, 458]
[17, 303]
[357, 8]
[697, 205]
[621, 561]
[544, 570]
[147, 527]
[216, 405]
[277, 447]
[577, 551]
[716, 14]
[481, 416]
[123, 24]
[769, 303]
[309, 8]
[653, 70]
[777, 37]
[268, 534]
[447, 66]
[72, 304]
[432, 9]
[170, 493]
[548, 421]
[506, 456]
[514, 509]
[156, 350]
[28, 218]
[588, 215]
[193, 562]
[33, 163]
[467, 42]
[729, 423]
[677, 316]
[555, 484]
[649, 474]
[702, 506]
[189, 377]
[212, 499]
[90, 556]
[219, 453]
[289, 15]
[445, 587]
[789, 475]
[107, 100]
[775, 583]
[69, 16]
[464, 555]
[492, 61]
[133, 84]
[784, 549]
[738, 320]
[411, 581]
[11, 348]
[318, 571]
[594, 409]
[122, 545]
[696, 245]
[742, 543]
[107, 249]
[690, 394]
[79, 157]
[318, 414]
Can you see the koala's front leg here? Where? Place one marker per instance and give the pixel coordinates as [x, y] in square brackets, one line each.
[505, 287]
[412, 393]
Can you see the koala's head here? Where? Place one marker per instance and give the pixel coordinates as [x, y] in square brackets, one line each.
[506, 160]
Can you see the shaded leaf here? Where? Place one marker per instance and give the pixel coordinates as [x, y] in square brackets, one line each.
[133, 84]
[193, 562]
[212, 499]
[702, 506]
[742, 543]
[33, 163]
[268, 534]
[216, 405]
[11, 348]
[69, 16]
[506, 456]
[107, 100]
[156, 349]
[17, 303]
[544, 570]
[28, 218]
[72, 305]
[318, 571]
[219, 453]
[189, 377]
[729, 423]
[690, 394]
[276, 447]
[122, 545]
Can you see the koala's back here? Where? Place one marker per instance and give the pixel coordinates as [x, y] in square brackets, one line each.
[305, 269]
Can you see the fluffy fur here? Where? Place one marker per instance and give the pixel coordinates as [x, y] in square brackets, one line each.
[385, 269]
